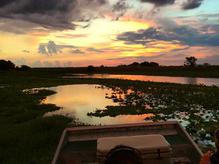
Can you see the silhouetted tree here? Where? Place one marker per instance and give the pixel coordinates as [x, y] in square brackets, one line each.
[24, 68]
[154, 64]
[190, 61]
[206, 64]
[6, 65]
[149, 64]
[122, 65]
[134, 64]
[145, 64]
[90, 68]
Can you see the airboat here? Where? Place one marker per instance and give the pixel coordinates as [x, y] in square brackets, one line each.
[150, 142]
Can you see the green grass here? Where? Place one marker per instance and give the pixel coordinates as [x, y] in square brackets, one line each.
[28, 137]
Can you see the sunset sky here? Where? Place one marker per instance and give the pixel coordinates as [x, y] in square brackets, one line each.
[64, 33]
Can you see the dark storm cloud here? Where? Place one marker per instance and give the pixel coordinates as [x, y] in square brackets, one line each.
[192, 4]
[160, 2]
[5, 2]
[179, 34]
[57, 14]
[49, 13]
[120, 8]
[189, 4]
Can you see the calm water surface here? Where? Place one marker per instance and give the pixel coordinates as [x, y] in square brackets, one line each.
[77, 100]
[167, 79]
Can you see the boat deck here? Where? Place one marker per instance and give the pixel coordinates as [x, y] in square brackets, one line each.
[79, 145]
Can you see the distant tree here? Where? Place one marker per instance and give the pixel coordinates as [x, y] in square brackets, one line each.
[154, 64]
[190, 61]
[90, 68]
[122, 65]
[6, 65]
[206, 64]
[134, 64]
[145, 64]
[24, 68]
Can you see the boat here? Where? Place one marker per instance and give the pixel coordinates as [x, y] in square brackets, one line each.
[80, 144]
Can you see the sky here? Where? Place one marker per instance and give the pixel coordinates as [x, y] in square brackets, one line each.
[73, 33]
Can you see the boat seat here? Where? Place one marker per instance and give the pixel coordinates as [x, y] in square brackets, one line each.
[150, 148]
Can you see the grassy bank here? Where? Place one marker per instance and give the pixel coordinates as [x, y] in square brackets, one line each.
[28, 137]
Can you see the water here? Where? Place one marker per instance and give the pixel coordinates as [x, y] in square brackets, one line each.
[167, 79]
[77, 100]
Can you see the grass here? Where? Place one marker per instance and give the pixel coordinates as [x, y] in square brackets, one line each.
[28, 137]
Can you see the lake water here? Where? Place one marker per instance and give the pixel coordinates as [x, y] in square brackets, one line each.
[167, 79]
[78, 100]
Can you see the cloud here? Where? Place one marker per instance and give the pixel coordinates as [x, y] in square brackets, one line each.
[49, 13]
[21, 27]
[95, 50]
[214, 29]
[66, 14]
[49, 48]
[77, 51]
[52, 48]
[55, 14]
[192, 4]
[185, 35]
[120, 8]
[72, 36]
[213, 59]
[187, 5]
[26, 51]
[159, 3]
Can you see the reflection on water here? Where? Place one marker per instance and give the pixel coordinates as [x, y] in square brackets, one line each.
[179, 80]
[78, 100]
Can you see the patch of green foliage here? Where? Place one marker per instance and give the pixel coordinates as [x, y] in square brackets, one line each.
[26, 136]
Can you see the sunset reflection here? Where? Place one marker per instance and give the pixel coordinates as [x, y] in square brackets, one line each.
[78, 100]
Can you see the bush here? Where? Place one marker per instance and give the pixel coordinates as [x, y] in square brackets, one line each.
[6, 65]
[24, 68]
[90, 68]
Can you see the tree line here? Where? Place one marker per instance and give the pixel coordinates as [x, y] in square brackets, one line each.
[7, 65]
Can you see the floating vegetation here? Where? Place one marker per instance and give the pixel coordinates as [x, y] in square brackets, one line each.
[195, 108]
